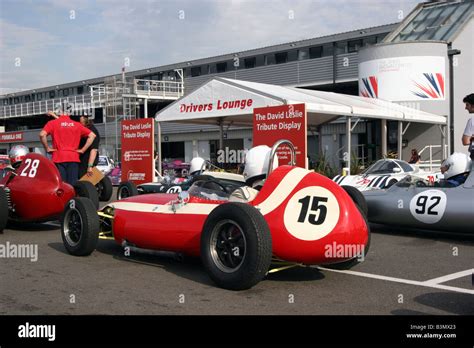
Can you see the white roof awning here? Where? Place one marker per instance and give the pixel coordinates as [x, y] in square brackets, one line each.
[233, 101]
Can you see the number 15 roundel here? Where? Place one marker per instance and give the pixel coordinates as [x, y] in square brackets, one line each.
[312, 213]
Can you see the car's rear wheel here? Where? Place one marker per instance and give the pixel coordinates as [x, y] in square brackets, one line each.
[80, 227]
[104, 189]
[358, 198]
[236, 246]
[87, 190]
[126, 189]
[3, 209]
[390, 183]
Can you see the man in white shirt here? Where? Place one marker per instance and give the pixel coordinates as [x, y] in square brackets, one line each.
[468, 135]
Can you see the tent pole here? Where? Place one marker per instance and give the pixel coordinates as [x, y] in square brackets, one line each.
[348, 139]
[158, 125]
[221, 134]
[400, 139]
[384, 137]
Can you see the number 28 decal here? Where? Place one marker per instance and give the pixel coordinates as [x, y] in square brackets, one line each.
[312, 213]
[31, 168]
[428, 206]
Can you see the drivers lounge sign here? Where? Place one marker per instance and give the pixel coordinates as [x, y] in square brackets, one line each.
[137, 150]
[274, 123]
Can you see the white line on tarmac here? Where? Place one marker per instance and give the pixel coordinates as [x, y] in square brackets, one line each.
[427, 284]
[449, 277]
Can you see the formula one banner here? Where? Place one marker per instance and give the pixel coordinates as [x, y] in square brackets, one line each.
[11, 137]
[137, 150]
[403, 78]
[274, 123]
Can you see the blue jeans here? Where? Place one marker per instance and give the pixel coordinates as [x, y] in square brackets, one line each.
[69, 171]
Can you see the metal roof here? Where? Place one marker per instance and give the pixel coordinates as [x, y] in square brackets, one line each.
[354, 34]
[433, 21]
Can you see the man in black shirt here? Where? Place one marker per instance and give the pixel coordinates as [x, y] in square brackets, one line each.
[90, 158]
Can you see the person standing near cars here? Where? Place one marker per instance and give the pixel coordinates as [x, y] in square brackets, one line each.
[90, 157]
[66, 135]
[468, 135]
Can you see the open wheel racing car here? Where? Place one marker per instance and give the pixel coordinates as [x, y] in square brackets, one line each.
[297, 218]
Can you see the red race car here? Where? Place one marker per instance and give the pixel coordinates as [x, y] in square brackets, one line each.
[297, 217]
[34, 191]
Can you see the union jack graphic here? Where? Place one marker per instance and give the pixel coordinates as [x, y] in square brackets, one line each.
[433, 90]
[370, 88]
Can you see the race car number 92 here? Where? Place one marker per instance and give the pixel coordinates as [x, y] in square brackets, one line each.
[311, 213]
[428, 206]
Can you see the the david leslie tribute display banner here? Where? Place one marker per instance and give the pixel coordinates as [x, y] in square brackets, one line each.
[137, 150]
[273, 123]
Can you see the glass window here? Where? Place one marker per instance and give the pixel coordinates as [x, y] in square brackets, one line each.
[250, 62]
[16, 100]
[221, 67]
[353, 45]
[405, 166]
[341, 47]
[315, 52]
[281, 57]
[39, 96]
[27, 98]
[52, 94]
[66, 92]
[80, 89]
[195, 71]
[269, 59]
[303, 54]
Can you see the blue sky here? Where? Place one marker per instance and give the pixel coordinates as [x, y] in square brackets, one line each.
[46, 42]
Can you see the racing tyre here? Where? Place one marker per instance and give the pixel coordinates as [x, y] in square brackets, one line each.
[3, 209]
[355, 261]
[358, 199]
[126, 189]
[390, 183]
[87, 190]
[80, 226]
[236, 246]
[104, 189]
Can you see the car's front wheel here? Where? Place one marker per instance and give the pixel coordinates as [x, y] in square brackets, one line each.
[126, 189]
[236, 246]
[80, 227]
[87, 190]
[104, 189]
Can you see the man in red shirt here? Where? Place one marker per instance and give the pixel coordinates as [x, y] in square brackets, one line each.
[66, 135]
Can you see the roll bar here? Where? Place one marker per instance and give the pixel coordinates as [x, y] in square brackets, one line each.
[273, 152]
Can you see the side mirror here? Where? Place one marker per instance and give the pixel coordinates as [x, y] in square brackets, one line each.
[396, 170]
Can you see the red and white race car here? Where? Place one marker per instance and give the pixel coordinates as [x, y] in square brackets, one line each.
[34, 192]
[298, 216]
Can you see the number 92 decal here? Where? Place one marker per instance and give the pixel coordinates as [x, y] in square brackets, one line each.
[428, 206]
[312, 213]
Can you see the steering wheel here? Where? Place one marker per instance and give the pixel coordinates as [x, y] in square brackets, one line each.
[210, 184]
[421, 184]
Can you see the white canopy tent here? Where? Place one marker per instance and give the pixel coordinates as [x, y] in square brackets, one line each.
[223, 101]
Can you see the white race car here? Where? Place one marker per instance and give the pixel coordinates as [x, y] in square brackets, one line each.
[383, 174]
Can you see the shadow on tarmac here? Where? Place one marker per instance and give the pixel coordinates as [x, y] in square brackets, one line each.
[453, 303]
[463, 238]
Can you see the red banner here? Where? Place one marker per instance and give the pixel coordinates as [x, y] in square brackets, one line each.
[274, 123]
[137, 150]
[11, 137]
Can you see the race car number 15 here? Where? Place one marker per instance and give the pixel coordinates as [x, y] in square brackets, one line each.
[311, 213]
[428, 206]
